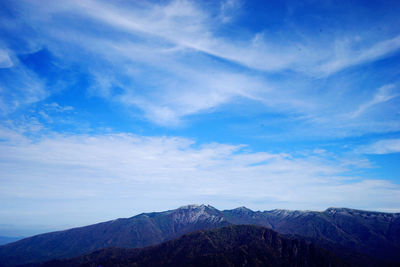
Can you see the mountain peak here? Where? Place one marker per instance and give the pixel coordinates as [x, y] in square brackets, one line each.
[193, 213]
[335, 209]
[193, 206]
[196, 207]
[242, 209]
[350, 211]
[284, 213]
[362, 213]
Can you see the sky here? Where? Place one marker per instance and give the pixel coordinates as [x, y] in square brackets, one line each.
[113, 108]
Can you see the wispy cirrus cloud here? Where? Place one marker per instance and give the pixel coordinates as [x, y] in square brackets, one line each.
[187, 25]
[19, 87]
[345, 55]
[5, 60]
[386, 146]
[383, 94]
[229, 10]
[170, 60]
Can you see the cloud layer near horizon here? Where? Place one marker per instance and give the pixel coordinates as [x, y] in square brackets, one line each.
[125, 168]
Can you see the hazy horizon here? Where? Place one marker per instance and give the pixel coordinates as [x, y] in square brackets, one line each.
[111, 109]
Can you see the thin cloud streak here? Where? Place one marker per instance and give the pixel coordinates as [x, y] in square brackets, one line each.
[186, 25]
[22, 91]
[386, 146]
[5, 59]
[382, 95]
[346, 56]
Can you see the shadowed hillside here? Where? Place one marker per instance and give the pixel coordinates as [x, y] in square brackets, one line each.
[240, 245]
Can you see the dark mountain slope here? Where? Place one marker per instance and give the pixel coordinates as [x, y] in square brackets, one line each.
[8, 239]
[372, 233]
[344, 230]
[139, 231]
[240, 245]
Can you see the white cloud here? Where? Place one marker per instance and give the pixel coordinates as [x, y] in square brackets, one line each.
[20, 88]
[229, 9]
[161, 172]
[5, 60]
[55, 107]
[192, 93]
[12, 136]
[166, 58]
[383, 94]
[346, 56]
[386, 146]
[186, 25]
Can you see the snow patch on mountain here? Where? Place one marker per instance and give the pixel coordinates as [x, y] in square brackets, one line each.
[195, 213]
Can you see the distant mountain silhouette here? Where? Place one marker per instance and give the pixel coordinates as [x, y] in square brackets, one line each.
[348, 232]
[239, 245]
[8, 239]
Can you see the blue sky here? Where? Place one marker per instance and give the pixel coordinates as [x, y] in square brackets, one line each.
[109, 109]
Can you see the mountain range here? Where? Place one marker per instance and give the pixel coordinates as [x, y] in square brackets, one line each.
[359, 236]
